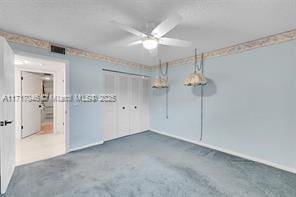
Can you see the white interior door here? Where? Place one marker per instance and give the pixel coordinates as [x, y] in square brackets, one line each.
[59, 107]
[110, 112]
[135, 89]
[7, 115]
[31, 112]
[123, 105]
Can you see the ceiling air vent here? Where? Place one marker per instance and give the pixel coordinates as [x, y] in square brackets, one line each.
[57, 49]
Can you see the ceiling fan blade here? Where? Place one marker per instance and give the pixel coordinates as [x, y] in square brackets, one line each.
[166, 26]
[129, 29]
[174, 42]
[135, 43]
[123, 42]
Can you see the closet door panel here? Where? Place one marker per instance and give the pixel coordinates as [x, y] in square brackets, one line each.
[123, 106]
[110, 112]
[135, 92]
[145, 95]
[130, 113]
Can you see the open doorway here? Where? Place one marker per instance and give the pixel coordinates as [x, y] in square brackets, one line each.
[41, 118]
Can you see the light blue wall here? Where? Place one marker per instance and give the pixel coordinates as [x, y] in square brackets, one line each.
[85, 77]
[249, 104]
[183, 106]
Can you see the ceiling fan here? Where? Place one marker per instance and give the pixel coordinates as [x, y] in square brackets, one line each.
[152, 40]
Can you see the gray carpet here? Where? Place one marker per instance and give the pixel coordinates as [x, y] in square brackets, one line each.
[146, 165]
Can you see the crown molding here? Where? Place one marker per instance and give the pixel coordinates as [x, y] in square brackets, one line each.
[238, 48]
[29, 41]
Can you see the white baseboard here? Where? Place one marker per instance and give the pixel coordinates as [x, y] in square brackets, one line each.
[86, 146]
[272, 164]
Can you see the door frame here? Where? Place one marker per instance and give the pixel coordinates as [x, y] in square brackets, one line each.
[40, 69]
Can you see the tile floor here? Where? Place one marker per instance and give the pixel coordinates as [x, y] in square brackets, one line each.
[39, 147]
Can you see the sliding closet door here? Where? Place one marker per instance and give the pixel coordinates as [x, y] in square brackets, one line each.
[130, 113]
[123, 105]
[110, 109]
[144, 100]
[136, 105]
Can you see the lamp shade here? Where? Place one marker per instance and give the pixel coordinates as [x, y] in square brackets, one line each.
[195, 79]
[160, 83]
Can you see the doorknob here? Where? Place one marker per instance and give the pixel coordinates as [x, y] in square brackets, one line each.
[123, 107]
[2, 123]
[135, 107]
[7, 122]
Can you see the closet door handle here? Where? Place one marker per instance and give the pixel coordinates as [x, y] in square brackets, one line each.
[8, 122]
[5, 123]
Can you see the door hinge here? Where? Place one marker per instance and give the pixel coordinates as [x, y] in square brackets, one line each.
[63, 124]
[22, 127]
[22, 78]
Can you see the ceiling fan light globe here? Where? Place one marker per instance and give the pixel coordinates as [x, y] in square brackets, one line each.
[150, 44]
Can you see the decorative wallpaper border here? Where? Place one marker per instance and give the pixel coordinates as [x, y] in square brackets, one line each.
[19, 39]
[25, 40]
[238, 48]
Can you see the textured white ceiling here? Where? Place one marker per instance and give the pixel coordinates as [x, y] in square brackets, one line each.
[209, 24]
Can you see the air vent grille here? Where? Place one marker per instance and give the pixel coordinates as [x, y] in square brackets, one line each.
[57, 49]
